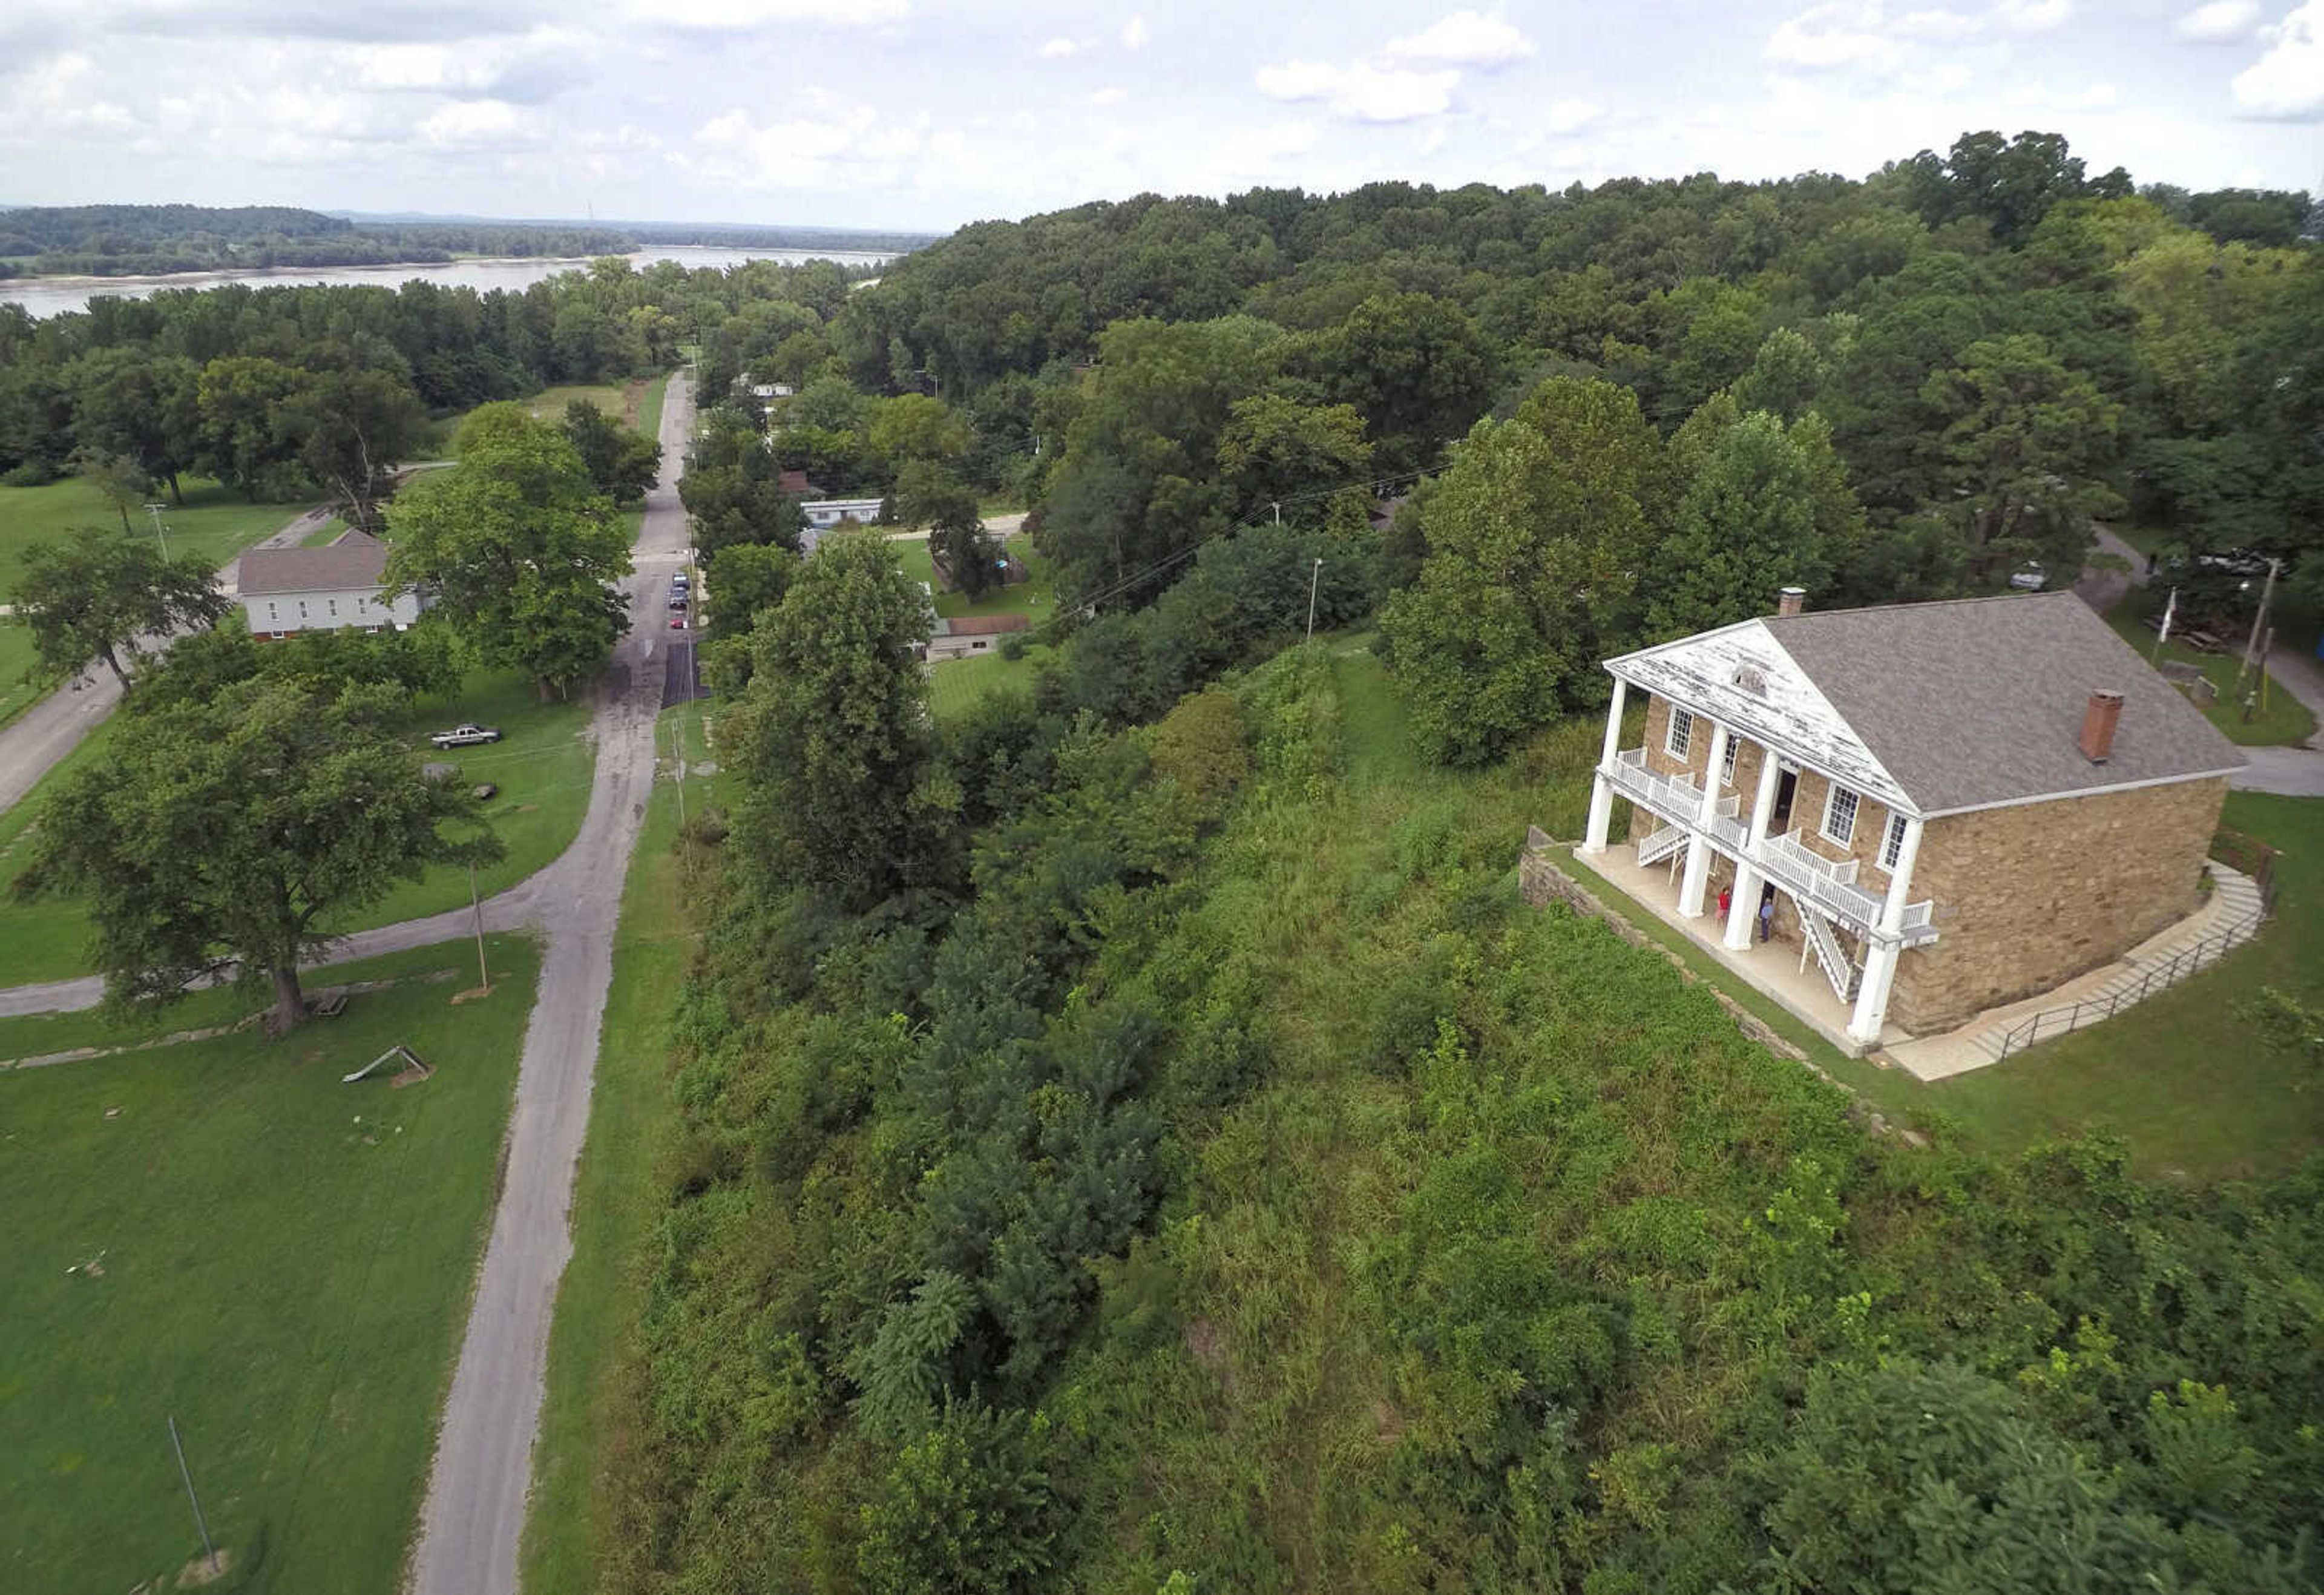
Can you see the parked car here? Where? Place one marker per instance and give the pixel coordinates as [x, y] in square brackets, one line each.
[677, 623]
[678, 600]
[2029, 578]
[467, 734]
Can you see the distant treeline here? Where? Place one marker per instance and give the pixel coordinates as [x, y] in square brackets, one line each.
[152, 240]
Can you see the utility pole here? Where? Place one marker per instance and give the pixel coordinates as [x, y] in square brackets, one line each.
[208, 1550]
[2259, 622]
[476, 904]
[678, 768]
[1312, 581]
[1278, 510]
[155, 511]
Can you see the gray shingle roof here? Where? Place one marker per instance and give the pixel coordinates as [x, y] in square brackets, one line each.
[1979, 702]
[351, 560]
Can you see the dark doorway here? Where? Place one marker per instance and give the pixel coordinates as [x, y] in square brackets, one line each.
[1786, 782]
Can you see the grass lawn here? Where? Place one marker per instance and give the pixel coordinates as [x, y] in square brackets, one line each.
[282, 1262]
[215, 522]
[617, 1200]
[542, 765]
[2284, 721]
[1035, 595]
[954, 685]
[326, 533]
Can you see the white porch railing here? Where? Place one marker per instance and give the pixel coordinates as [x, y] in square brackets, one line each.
[1659, 846]
[1821, 884]
[1672, 797]
[1831, 956]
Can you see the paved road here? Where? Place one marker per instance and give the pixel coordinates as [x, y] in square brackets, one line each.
[474, 1512]
[33, 744]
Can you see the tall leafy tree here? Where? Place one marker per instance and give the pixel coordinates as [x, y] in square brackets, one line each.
[1745, 525]
[733, 489]
[110, 596]
[520, 552]
[832, 740]
[233, 832]
[1537, 538]
[2026, 441]
[622, 464]
[353, 428]
[1276, 448]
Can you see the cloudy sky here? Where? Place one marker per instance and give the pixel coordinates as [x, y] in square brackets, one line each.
[927, 113]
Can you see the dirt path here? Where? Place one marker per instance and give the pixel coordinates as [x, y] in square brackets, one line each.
[36, 740]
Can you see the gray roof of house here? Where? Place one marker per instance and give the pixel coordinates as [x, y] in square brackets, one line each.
[1979, 703]
[352, 559]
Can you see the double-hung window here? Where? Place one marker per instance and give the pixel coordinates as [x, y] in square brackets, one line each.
[1840, 815]
[1891, 844]
[1680, 735]
[1726, 765]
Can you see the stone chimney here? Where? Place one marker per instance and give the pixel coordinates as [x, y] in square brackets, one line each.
[2098, 721]
[1790, 601]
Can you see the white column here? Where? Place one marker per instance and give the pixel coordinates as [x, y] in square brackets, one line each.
[1743, 913]
[1698, 850]
[1880, 963]
[1601, 789]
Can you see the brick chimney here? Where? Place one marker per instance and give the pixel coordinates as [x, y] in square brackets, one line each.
[1790, 601]
[2098, 721]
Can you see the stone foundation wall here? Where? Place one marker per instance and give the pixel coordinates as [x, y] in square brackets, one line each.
[2031, 896]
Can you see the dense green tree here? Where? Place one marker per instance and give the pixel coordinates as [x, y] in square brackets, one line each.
[241, 401]
[109, 596]
[832, 741]
[1138, 485]
[2026, 442]
[733, 489]
[1744, 524]
[1536, 540]
[236, 832]
[353, 428]
[521, 552]
[622, 464]
[1415, 367]
[134, 402]
[1284, 458]
[914, 427]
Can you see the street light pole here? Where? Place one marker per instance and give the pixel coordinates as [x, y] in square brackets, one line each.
[208, 1550]
[1312, 581]
[484, 974]
[155, 511]
[2259, 620]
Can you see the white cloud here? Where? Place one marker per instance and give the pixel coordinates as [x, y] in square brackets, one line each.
[1464, 38]
[853, 144]
[1943, 26]
[1362, 92]
[2287, 83]
[1108, 96]
[1062, 48]
[743, 15]
[2031, 16]
[2223, 21]
[1135, 33]
[1571, 115]
[1824, 38]
[487, 124]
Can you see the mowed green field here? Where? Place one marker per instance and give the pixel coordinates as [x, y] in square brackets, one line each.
[2280, 720]
[216, 522]
[221, 1231]
[1035, 597]
[543, 767]
[955, 686]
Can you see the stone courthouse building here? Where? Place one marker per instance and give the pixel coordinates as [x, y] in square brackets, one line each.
[1946, 807]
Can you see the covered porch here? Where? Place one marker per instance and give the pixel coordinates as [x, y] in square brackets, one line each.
[1786, 973]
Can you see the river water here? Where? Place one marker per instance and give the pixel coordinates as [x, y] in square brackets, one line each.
[56, 295]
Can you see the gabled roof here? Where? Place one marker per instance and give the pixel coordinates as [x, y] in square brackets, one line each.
[1973, 704]
[353, 559]
[981, 625]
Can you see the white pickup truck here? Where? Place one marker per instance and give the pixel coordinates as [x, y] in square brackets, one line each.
[466, 736]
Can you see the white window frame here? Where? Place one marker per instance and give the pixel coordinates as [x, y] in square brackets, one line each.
[1891, 843]
[1678, 736]
[335, 607]
[1727, 767]
[1846, 836]
[271, 613]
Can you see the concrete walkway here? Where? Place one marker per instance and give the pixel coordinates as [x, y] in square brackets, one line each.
[2227, 918]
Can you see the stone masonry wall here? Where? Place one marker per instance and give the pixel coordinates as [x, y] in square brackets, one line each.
[2031, 896]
